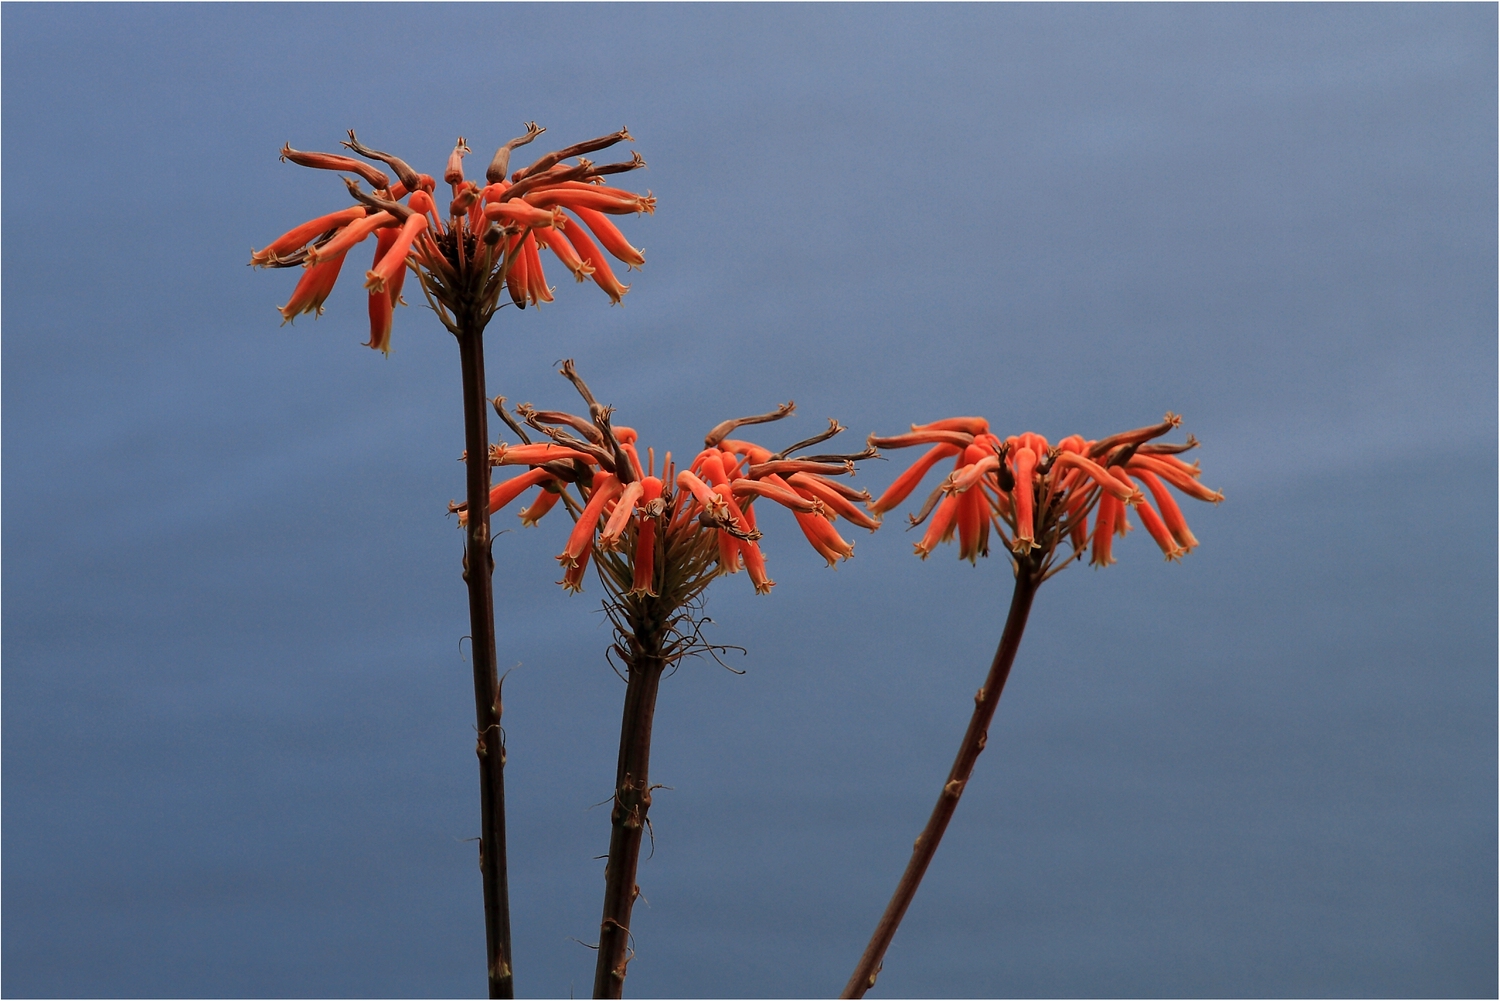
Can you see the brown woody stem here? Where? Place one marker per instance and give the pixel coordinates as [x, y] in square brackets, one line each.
[628, 819]
[985, 702]
[478, 573]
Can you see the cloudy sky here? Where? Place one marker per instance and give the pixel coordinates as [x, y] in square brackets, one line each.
[238, 749]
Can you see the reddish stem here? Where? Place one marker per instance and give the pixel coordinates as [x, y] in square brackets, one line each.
[985, 702]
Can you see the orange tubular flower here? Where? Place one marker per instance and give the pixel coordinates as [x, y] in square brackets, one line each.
[382, 304]
[313, 290]
[624, 511]
[1025, 466]
[381, 315]
[940, 529]
[291, 242]
[606, 489]
[502, 494]
[614, 241]
[523, 214]
[544, 502]
[536, 282]
[591, 255]
[347, 237]
[491, 232]
[554, 241]
[1038, 496]
[533, 455]
[907, 481]
[834, 500]
[394, 262]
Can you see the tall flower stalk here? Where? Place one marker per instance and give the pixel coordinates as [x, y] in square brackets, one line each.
[659, 536]
[1035, 497]
[485, 245]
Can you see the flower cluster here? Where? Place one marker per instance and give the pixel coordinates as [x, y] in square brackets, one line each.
[672, 525]
[491, 237]
[1035, 494]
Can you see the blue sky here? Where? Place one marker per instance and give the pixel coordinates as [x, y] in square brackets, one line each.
[237, 736]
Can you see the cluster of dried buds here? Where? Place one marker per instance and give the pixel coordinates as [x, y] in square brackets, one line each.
[672, 525]
[489, 241]
[1036, 495]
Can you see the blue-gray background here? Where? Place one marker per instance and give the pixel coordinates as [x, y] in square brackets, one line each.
[238, 721]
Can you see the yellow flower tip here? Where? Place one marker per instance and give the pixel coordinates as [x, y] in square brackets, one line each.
[764, 586]
[572, 586]
[374, 281]
[1023, 544]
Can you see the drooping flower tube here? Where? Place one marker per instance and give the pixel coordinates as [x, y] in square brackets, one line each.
[488, 242]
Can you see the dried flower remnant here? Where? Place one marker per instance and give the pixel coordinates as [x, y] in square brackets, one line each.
[658, 536]
[1034, 497]
[487, 242]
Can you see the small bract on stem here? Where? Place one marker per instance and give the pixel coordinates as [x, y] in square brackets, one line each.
[658, 535]
[485, 244]
[1034, 497]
